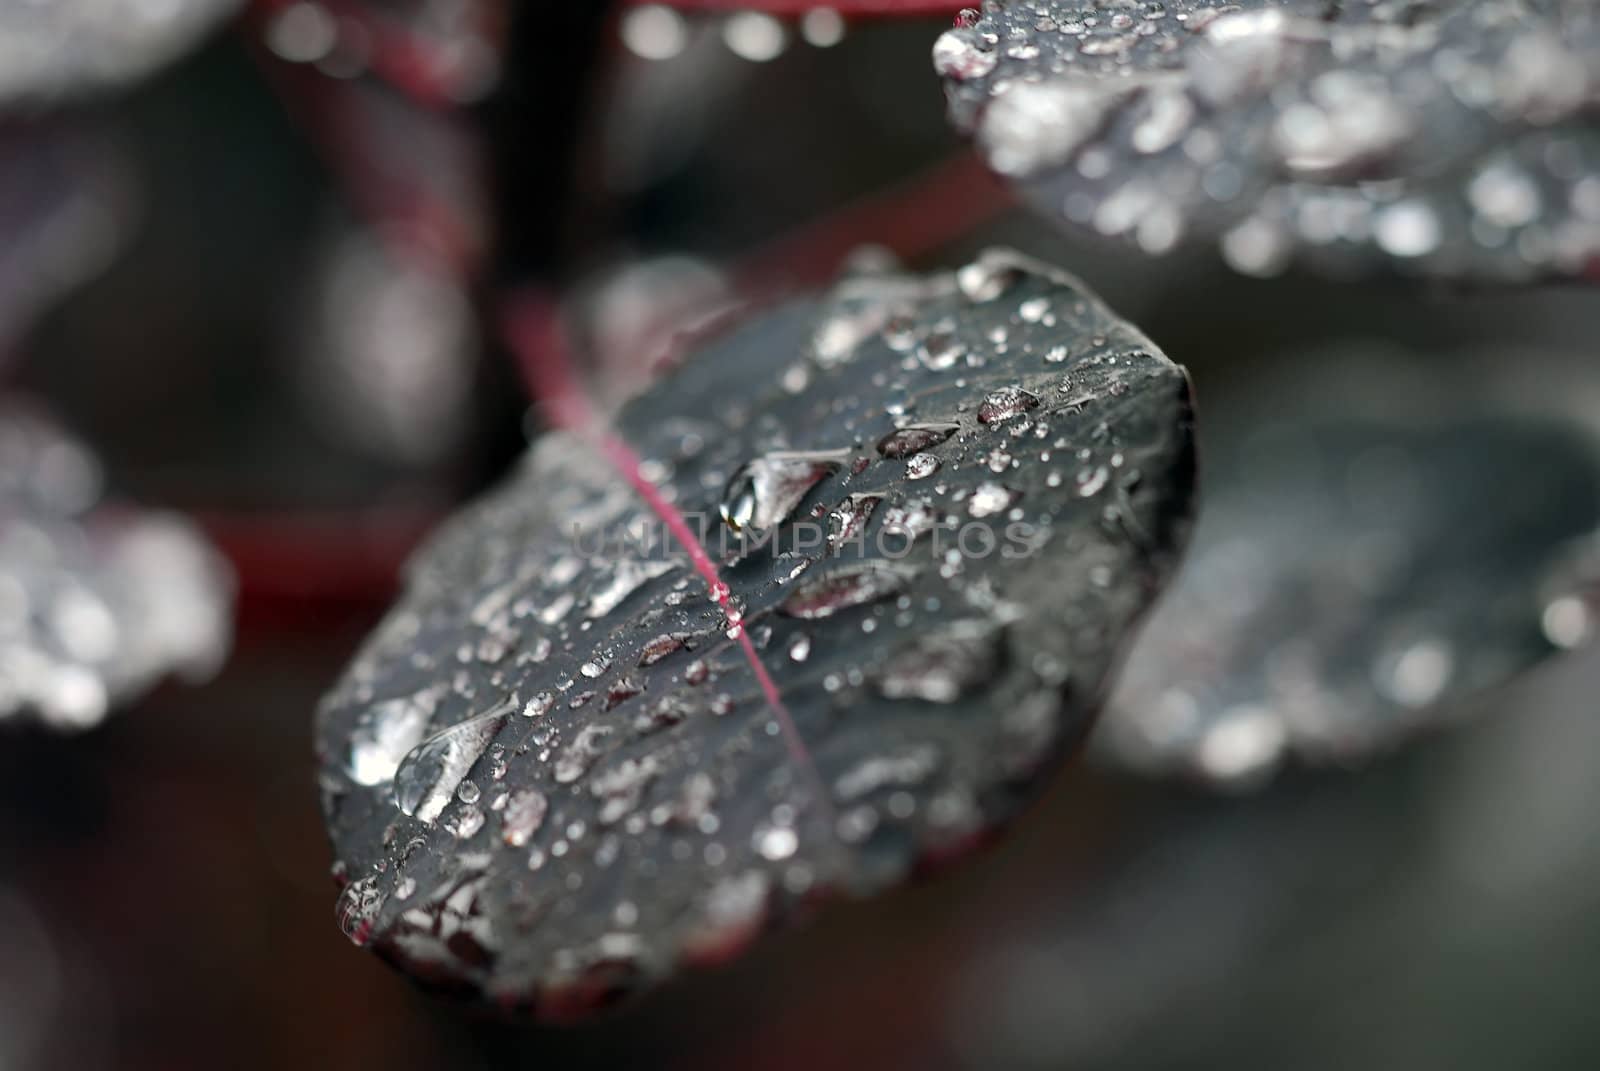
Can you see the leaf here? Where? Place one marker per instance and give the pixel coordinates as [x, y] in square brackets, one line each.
[73, 47]
[551, 776]
[1358, 571]
[100, 601]
[1445, 140]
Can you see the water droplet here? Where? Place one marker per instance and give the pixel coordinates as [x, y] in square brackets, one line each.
[427, 778]
[357, 909]
[776, 842]
[621, 691]
[627, 577]
[921, 466]
[963, 55]
[669, 711]
[660, 647]
[386, 733]
[620, 787]
[465, 823]
[846, 586]
[914, 439]
[579, 755]
[1246, 742]
[1567, 622]
[1005, 403]
[1418, 674]
[523, 816]
[990, 498]
[1090, 481]
[989, 277]
[910, 521]
[1407, 229]
[765, 491]
[539, 705]
[849, 520]
[910, 766]
[941, 350]
[1035, 126]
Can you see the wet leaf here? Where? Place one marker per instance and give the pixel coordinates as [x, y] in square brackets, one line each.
[551, 776]
[1356, 573]
[1447, 140]
[97, 602]
[72, 47]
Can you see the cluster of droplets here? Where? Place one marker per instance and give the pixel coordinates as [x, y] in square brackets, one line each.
[590, 716]
[96, 605]
[1339, 595]
[1442, 141]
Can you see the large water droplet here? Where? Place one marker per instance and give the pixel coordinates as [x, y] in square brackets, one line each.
[427, 778]
[387, 732]
[765, 491]
[1005, 403]
[846, 586]
[915, 438]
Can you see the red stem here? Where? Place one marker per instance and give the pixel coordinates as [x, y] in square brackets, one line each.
[912, 219]
[534, 331]
[400, 209]
[411, 62]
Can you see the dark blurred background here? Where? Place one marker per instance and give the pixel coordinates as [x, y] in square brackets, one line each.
[286, 341]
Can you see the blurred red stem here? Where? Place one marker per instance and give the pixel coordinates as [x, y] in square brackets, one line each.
[911, 219]
[535, 334]
[410, 62]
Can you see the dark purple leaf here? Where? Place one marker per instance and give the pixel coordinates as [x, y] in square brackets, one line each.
[551, 774]
[1440, 139]
[97, 602]
[1358, 571]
